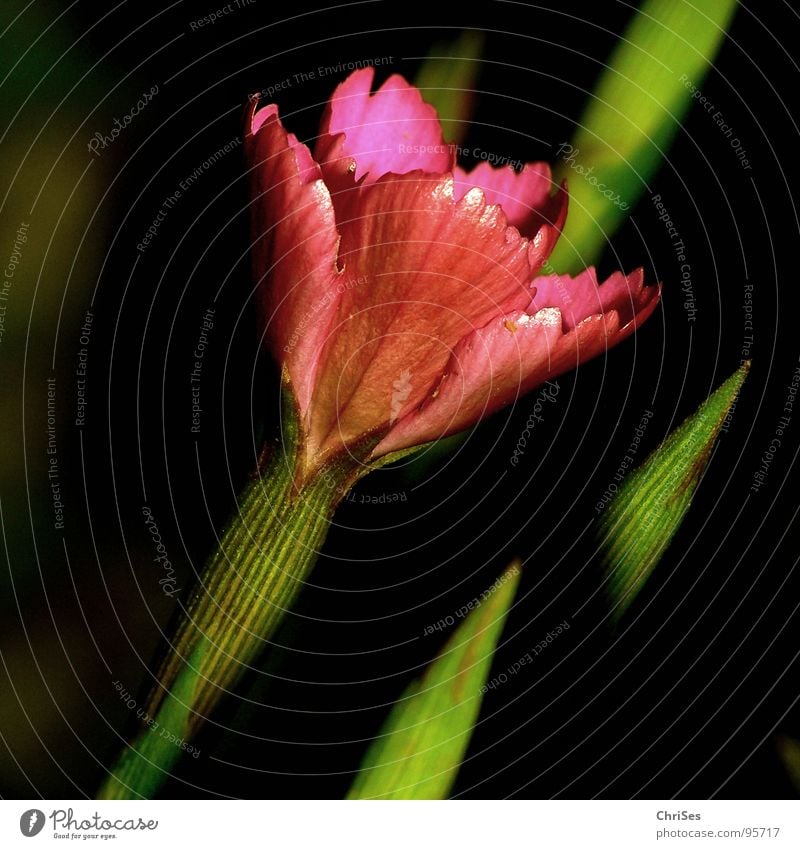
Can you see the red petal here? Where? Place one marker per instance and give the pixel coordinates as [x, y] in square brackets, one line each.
[526, 195]
[581, 296]
[512, 355]
[390, 131]
[294, 245]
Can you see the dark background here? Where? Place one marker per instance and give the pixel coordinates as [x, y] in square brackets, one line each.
[685, 698]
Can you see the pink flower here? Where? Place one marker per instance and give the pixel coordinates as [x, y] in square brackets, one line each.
[402, 294]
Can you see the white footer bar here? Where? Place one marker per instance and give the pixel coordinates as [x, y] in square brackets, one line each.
[402, 825]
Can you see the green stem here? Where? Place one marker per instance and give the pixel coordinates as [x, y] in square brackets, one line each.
[264, 556]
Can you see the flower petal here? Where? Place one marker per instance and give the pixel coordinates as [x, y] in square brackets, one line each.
[295, 245]
[432, 270]
[526, 195]
[510, 356]
[390, 131]
[582, 296]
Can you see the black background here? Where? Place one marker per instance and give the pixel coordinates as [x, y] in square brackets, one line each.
[686, 697]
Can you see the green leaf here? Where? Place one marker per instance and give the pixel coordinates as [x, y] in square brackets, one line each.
[632, 118]
[447, 81]
[649, 507]
[420, 747]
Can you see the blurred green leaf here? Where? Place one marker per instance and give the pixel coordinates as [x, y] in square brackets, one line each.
[420, 747]
[789, 752]
[447, 81]
[632, 117]
[143, 764]
[51, 188]
[649, 507]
